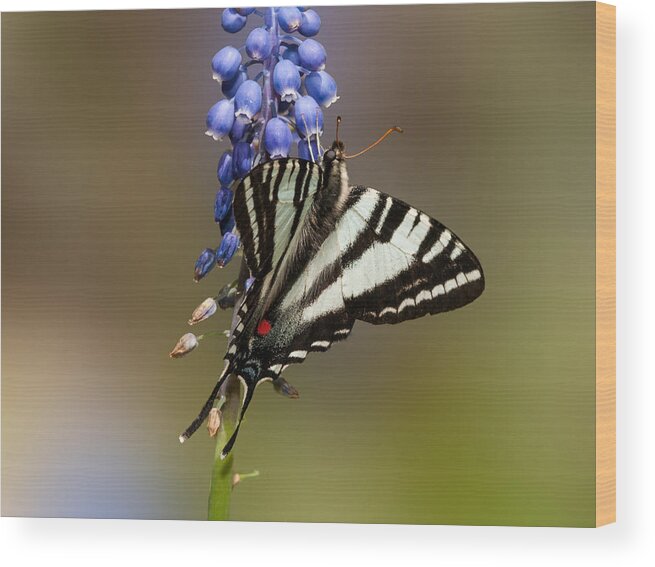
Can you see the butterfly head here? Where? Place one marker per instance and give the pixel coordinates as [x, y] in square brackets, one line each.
[336, 152]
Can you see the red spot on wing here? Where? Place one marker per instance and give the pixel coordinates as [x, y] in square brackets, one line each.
[263, 328]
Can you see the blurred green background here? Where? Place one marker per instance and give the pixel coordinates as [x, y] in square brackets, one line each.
[480, 416]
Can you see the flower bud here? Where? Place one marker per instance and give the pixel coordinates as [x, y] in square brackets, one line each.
[303, 150]
[312, 55]
[227, 296]
[238, 477]
[248, 100]
[204, 264]
[224, 169]
[322, 88]
[258, 44]
[241, 159]
[225, 64]
[308, 115]
[289, 18]
[230, 88]
[277, 138]
[204, 311]
[227, 249]
[213, 421]
[232, 21]
[291, 54]
[220, 119]
[286, 80]
[184, 345]
[228, 222]
[222, 203]
[311, 23]
[244, 11]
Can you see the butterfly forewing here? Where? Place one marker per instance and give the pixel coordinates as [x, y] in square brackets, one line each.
[399, 263]
[270, 206]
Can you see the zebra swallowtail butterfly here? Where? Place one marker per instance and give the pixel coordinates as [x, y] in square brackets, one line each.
[325, 254]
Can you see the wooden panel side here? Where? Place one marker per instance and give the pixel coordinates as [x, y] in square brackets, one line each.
[605, 264]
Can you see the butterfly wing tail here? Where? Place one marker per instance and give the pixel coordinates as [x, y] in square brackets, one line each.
[204, 412]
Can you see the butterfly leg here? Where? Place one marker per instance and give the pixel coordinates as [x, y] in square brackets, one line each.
[283, 387]
[249, 390]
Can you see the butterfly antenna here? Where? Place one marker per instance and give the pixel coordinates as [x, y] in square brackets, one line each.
[309, 139]
[338, 124]
[204, 412]
[380, 139]
[247, 398]
[318, 138]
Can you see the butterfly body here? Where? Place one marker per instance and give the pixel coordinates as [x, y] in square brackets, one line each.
[325, 254]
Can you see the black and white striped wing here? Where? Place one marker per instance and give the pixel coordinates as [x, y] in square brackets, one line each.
[270, 205]
[398, 263]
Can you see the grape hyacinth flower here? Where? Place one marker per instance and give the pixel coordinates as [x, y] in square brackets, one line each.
[274, 85]
[220, 119]
[227, 248]
[286, 80]
[205, 262]
[312, 55]
[226, 63]
[258, 44]
[222, 204]
[309, 118]
[242, 159]
[224, 169]
[289, 18]
[277, 138]
[311, 23]
[322, 88]
[248, 100]
[232, 21]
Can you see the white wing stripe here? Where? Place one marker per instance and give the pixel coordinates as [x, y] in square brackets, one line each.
[474, 275]
[329, 301]
[384, 214]
[408, 237]
[406, 303]
[456, 251]
[438, 290]
[432, 253]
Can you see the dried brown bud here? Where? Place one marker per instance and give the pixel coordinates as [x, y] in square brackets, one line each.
[214, 422]
[184, 345]
[205, 310]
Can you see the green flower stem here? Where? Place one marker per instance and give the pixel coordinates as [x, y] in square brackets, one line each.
[221, 483]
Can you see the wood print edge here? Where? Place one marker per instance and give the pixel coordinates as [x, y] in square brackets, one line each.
[605, 264]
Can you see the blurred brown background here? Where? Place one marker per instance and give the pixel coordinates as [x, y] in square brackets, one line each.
[483, 416]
